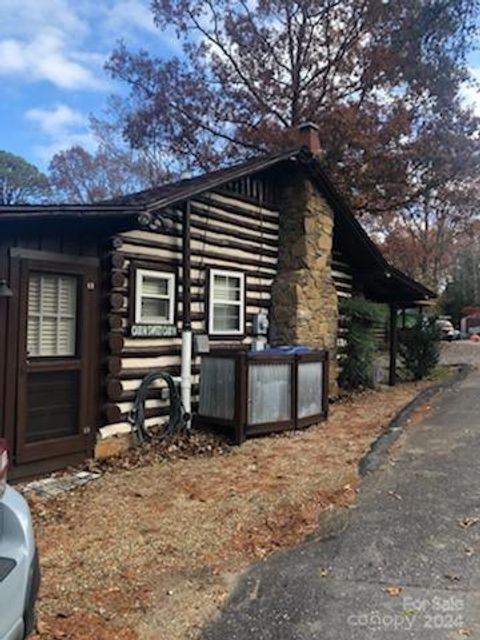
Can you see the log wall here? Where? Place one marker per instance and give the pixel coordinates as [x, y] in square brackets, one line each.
[228, 231]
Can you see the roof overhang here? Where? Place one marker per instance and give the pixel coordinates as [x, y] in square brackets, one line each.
[379, 279]
[33, 213]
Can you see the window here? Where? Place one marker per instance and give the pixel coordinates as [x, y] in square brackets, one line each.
[226, 303]
[154, 297]
[52, 310]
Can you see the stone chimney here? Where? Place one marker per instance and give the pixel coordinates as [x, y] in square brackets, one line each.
[304, 297]
[308, 137]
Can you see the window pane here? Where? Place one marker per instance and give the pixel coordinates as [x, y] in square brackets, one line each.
[34, 293]
[155, 309]
[52, 307]
[48, 336]
[226, 317]
[66, 336]
[67, 297]
[33, 335]
[49, 293]
[154, 286]
[226, 288]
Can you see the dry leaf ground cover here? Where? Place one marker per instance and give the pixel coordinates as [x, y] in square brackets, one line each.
[151, 552]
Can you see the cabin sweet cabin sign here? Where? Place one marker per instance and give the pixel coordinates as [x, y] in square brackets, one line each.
[153, 330]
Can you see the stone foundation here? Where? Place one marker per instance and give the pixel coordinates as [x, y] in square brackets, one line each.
[304, 298]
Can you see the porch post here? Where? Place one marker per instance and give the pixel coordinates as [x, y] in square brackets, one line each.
[393, 345]
[186, 368]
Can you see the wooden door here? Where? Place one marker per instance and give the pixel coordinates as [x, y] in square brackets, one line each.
[58, 345]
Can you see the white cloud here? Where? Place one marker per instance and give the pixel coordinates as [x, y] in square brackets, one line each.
[128, 15]
[45, 58]
[28, 18]
[47, 40]
[60, 127]
[66, 42]
[52, 121]
[132, 21]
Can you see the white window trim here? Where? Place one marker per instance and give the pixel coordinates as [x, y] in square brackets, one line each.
[211, 301]
[170, 296]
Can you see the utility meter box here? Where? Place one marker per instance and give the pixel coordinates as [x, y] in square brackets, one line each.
[260, 324]
[201, 344]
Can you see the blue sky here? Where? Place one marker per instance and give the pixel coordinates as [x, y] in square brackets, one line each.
[52, 54]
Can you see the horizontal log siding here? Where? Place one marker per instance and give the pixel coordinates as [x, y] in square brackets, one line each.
[343, 279]
[227, 233]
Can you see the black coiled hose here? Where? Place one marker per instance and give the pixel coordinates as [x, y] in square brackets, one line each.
[177, 419]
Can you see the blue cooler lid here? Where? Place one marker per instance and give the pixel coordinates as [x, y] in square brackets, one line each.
[285, 350]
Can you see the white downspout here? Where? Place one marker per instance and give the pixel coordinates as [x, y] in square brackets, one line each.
[186, 368]
[186, 373]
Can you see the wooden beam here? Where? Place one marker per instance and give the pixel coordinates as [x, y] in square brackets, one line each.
[393, 345]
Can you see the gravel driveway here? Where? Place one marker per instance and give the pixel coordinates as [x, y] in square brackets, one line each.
[460, 352]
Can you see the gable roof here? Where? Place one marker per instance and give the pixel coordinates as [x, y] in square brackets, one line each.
[382, 281]
[165, 195]
[152, 199]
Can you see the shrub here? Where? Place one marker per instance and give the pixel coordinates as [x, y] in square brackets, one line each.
[357, 360]
[420, 348]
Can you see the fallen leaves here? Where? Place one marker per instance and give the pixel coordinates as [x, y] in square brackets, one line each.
[453, 576]
[168, 521]
[393, 592]
[468, 522]
[81, 626]
[395, 495]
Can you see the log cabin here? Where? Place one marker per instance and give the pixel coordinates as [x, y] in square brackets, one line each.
[94, 297]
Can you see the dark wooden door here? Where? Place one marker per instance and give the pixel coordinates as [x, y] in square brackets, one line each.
[58, 345]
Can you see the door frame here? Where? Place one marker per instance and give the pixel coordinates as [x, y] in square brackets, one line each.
[88, 344]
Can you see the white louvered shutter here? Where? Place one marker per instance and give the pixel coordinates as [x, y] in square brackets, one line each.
[52, 309]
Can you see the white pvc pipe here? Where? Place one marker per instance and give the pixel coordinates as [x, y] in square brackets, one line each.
[186, 372]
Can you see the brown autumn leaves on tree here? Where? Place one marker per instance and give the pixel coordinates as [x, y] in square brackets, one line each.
[381, 78]
[112, 170]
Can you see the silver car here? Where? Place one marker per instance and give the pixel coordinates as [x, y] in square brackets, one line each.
[19, 568]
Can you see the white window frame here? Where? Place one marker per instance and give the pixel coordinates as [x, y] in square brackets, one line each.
[239, 303]
[170, 296]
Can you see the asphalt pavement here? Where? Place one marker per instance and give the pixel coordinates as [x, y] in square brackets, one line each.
[403, 563]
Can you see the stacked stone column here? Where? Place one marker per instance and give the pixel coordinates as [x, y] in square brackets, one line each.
[304, 298]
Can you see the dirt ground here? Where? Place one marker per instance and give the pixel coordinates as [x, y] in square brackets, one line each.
[151, 552]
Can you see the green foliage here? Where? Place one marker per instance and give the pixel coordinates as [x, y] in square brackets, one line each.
[420, 348]
[462, 292]
[357, 362]
[20, 181]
